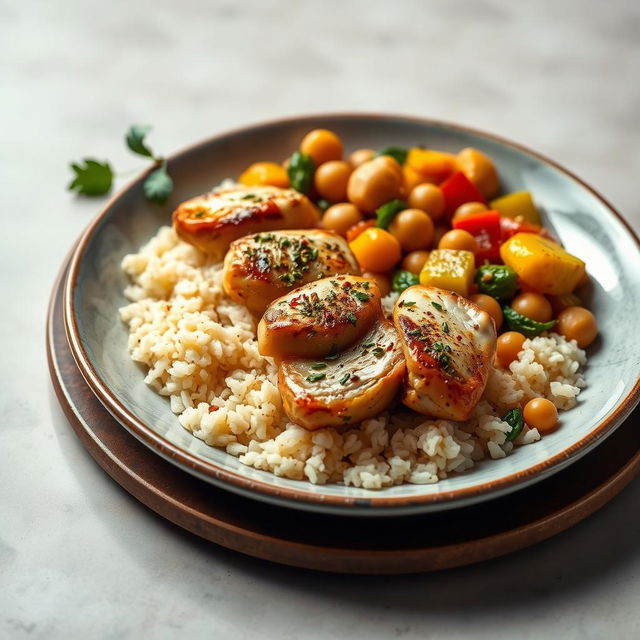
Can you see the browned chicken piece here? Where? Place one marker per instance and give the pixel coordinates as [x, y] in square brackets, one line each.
[346, 388]
[319, 318]
[449, 344]
[214, 220]
[262, 267]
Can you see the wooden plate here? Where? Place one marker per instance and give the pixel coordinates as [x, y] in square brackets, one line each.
[408, 544]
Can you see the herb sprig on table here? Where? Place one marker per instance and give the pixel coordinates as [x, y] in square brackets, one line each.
[95, 178]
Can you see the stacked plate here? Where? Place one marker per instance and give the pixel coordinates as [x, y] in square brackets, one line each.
[586, 224]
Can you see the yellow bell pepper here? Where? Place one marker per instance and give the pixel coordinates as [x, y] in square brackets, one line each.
[450, 269]
[435, 166]
[542, 264]
[517, 205]
[265, 173]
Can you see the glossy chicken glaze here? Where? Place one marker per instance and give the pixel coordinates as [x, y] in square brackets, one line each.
[449, 344]
[213, 220]
[264, 266]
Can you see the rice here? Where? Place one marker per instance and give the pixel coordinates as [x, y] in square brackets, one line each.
[200, 351]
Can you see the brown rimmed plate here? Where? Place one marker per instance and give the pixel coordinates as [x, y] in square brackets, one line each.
[586, 223]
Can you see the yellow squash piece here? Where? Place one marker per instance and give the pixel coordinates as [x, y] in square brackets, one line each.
[542, 264]
[517, 205]
[433, 166]
[449, 269]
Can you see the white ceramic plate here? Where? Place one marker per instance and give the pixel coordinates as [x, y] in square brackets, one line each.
[586, 223]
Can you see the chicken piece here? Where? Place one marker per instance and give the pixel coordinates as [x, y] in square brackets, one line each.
[214, 220]
[320, 318]
[344, 389]
[449, 344]
[262, 267]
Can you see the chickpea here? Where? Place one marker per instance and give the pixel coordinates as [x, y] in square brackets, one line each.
[341, 217]
[429, 198]
[468, 209]
[458, 239]
[376, 250]
[381, 279]
[414, 261]
[322, 145]
[508, 347]
[413, 228]
[479, 168]
[541, 414]
[579, 324]
[490, 305]
[374, 183]
[533, 305]
[360, 156]
[331, 180]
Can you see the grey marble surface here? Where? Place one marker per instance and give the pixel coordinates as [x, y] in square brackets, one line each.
[78, 556]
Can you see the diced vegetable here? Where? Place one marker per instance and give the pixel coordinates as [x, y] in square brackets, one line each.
[479, 168]
[436, 166]
[376, 250]
[485, 228]
[404, 279]
[511, 226]
[528, 327]
[300, 170]
[449, 269]
[387, 212]
[399, 154]
[265, 173]
[497, 280]
[542, 264]
[354, 231]
[515, 420]
[457, 190]
[518, 205]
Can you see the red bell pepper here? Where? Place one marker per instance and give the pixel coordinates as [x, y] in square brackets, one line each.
[457, 190]
[485, 228]
[511, 226]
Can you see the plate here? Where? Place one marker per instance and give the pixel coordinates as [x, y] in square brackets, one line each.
[586, 223]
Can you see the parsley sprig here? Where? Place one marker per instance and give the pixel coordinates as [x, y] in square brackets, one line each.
[95, 178]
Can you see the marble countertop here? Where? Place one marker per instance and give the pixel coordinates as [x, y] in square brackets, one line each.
[78, 556]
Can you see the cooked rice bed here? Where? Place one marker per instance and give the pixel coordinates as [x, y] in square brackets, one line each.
[201, 351]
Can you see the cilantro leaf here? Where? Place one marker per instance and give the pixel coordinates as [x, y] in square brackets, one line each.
[94, 178]
[387, 212]
[158, 185]
[300, 171]
[135, 140]
[397, 153]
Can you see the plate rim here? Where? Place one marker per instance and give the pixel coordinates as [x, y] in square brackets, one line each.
[209, 470]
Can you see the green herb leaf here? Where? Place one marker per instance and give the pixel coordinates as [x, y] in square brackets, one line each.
[300, 171]
[530, 328]
[367, 345]
[497, 280]
[314, 377]
[403, 280]
[445, 327]
[159, 185]
[135, 140]
[409, 303]
[388, 211]
[515, 420]
[345, 378]
[333, 354]
[436, 305]
[360, 295]
[319, 365]
[94, 178]
[352, 318]
[397, 153]
[378, 352]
